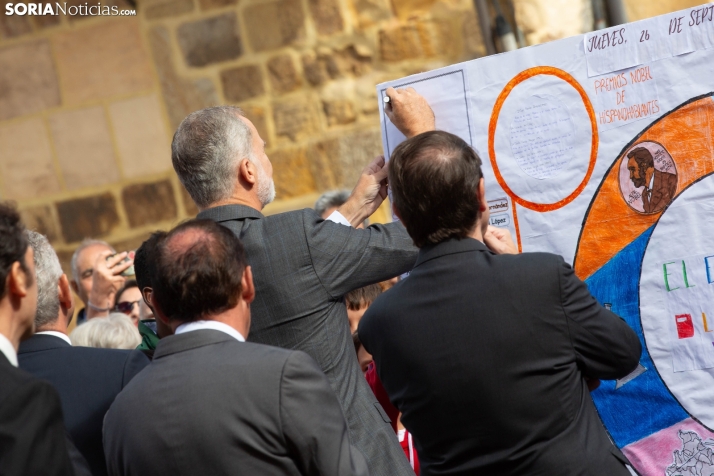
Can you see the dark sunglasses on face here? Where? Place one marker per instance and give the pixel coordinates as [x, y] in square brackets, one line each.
[127, 306]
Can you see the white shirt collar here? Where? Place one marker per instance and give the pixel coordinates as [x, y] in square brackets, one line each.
[338, 217]
[215, 325]
[64, 337]
[651, 184]
[8, 349]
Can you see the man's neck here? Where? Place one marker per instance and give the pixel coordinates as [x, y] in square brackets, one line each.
[235, 318]
[53, 328]
[239, 199]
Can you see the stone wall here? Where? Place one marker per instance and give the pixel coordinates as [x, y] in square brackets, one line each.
[88, 104]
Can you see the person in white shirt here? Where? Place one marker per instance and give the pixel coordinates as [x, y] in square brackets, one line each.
[210, 402]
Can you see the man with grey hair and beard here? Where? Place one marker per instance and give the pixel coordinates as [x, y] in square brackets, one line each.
[86, 379]
[303, 265]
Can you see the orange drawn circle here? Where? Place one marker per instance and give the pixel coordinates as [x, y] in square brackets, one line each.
[529, 73]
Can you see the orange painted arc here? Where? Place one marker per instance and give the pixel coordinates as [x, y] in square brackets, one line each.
[529, 73]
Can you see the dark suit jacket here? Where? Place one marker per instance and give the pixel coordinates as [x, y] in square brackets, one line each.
[664, 187]
[302, 266]
[210, 405]
[87, 380]
[485, 356]
[32, 436]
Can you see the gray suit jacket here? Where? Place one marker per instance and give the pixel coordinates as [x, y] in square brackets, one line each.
[210, 405]
[302, 266]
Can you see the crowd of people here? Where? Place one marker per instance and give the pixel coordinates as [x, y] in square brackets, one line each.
[243, 344]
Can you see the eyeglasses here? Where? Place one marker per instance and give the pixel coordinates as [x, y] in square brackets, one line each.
[126, 307]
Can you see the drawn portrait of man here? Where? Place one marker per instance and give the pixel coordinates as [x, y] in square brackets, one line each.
[659, 186]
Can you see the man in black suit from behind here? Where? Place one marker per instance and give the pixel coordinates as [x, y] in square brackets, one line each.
[32, 435]
[86, 378]
[484, 351]
[210, 403]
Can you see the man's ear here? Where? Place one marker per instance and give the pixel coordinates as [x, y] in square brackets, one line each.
[248, 172]
[481, 195]
[65, 294]
[247, 287]
[18, 281]
[158, 314]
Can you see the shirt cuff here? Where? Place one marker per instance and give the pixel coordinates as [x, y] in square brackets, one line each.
[337, 217]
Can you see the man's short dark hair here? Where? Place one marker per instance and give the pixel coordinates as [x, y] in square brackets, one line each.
[359, 298]
[199, 267]
[434, 178]
[643, 158]
[13, 244]
[145, 259]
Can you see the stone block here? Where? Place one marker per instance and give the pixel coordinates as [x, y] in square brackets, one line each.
[291, 172]
[181, 96]
[243, 82]
[188, 204]
[211, 4]
[45, 21]
[542, 21]
[89, 217]
[26, 164]
[370, 12]
[324, 158]
[210, 40]
[28, 79]
[294, 119]
[324, 64]
[157, 9]
[356, 150]
[130, 244]
[84, 147]
[419, 39]
[314, 69]
[141, 136]
[339, 112]
[40, 219]
[102, 60]
[402, 42]
[408, 8]
[274, 24]
[147, 203]
[326, 15]
[471, 34]
[12, 26]
[282, 73]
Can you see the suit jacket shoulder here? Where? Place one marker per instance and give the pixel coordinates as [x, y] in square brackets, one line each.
[32, 437]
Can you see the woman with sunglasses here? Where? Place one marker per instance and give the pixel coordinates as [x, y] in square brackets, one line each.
[127, 300]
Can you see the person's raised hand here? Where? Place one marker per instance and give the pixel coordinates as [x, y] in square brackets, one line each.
[106, 281]
[368, 194]
[409, 112]
[499, 241]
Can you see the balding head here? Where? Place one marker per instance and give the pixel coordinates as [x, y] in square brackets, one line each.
[199, 269]
[446, 172]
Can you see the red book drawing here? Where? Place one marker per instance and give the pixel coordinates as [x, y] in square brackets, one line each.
[685, 326]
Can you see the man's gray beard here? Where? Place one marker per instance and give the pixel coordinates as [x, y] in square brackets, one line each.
[266, 188]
